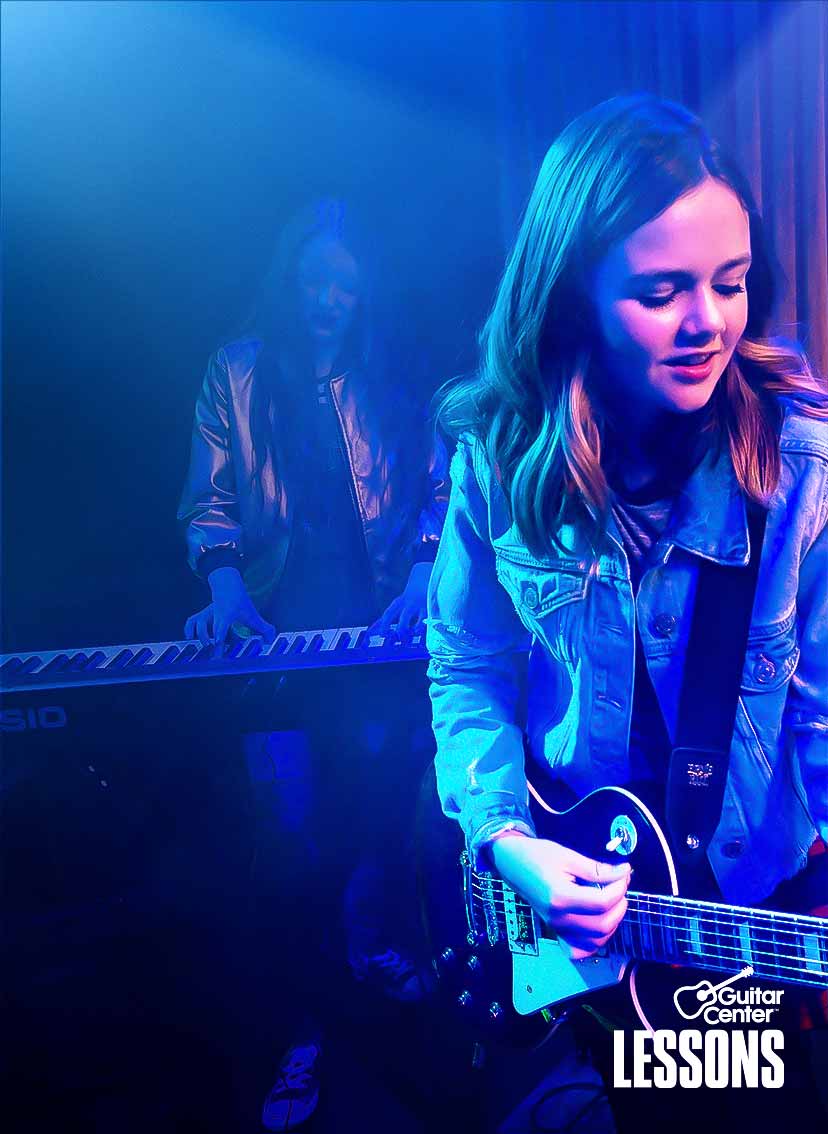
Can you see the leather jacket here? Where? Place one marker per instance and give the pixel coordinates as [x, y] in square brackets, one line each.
[490, 596]
[228, 523]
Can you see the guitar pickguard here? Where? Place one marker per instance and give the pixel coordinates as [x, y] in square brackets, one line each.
[550, 976]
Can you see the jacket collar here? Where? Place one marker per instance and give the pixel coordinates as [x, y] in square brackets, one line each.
[709, 517]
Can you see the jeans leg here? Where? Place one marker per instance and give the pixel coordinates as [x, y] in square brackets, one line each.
[288, 911]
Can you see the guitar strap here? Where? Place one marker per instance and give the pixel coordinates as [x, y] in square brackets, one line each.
[709, 697]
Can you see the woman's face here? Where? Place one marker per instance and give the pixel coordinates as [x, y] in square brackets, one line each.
[674, 287]
[328, 277]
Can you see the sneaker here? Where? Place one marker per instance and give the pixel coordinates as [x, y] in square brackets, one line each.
[393, 975]
[294, 1095]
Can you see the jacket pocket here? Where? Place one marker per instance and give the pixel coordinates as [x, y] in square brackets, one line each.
[549, 603]
[538, 588]
[771, 657]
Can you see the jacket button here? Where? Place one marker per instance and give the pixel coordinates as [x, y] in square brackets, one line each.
[664, 625]
[733, 849]
[530, 596]
[764, 670]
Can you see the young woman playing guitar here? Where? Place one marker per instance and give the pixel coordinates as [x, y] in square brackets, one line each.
[628, 412]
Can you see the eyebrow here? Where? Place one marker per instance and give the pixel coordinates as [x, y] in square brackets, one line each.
[645, 277]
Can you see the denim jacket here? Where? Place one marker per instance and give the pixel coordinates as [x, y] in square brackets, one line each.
[490, 598]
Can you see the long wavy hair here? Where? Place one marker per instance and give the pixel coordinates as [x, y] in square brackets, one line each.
[389, 405]
[535, 401]
[285, 361]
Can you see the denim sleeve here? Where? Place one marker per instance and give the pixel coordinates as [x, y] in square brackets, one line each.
[473, 635]
[807, 706]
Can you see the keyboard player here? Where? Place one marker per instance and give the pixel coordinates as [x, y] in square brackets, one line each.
[314, 499]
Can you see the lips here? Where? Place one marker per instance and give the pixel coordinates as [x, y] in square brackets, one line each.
[693, 372]
[697, 359]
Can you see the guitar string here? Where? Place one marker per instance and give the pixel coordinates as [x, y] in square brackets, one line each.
[637, 901]
[726, 953]
[641, 902]
[775, 968]
[810, 964]
[675, 923]
[630, 921]
[718, 928]
[806, 977]
[717, 924]
[689, 902]
[755, 954]
[734, 911]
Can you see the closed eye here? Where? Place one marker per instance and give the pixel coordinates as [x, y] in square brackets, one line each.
[665, 301]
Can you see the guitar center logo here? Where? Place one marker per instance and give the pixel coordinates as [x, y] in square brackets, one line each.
[722, 1056]
[722, 1004]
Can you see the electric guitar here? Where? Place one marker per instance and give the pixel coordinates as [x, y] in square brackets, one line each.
[498, 964]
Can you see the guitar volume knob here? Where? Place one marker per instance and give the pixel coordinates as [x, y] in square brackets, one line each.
[465, 999]
[447, 957]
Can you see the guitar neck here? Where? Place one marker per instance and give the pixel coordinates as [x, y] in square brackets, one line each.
[779, 946]
[791, 948]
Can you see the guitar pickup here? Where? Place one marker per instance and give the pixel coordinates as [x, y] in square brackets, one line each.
[489, 892]
[521, 925]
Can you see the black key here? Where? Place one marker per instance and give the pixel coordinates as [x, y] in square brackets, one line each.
[57, 663]
[343, 642]
[140, 658]
[315, 644]
[298, 645]
[10, 666]
[121, 659]
[169, 655]
[187, 654]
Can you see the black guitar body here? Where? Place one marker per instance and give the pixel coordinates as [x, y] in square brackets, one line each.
[473, 975]
[501, 972]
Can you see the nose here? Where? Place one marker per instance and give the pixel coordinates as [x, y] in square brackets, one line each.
[705, 317]
[327, 296]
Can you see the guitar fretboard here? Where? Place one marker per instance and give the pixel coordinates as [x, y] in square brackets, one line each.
[778, 946]
[791, 948]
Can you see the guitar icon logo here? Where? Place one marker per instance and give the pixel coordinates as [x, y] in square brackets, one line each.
[700, 996]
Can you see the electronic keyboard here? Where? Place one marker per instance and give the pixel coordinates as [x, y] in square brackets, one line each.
[165, 661]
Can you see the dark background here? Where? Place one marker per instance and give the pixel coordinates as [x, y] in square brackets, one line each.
[151, 152]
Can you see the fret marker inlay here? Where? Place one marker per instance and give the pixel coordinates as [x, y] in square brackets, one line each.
[695, 936]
